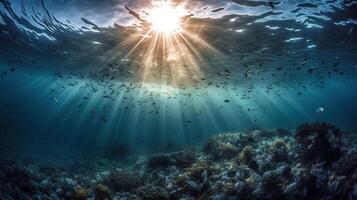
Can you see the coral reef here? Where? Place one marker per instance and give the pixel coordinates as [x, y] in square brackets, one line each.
[319, 161]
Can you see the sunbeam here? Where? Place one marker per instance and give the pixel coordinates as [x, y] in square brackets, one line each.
[169, 46]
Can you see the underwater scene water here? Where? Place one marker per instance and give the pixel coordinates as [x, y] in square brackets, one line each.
[155, 99]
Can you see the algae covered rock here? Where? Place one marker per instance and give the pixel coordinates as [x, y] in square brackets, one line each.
[80, 193]
[271, 182]
[318, 142]
[102, 192]
[184, 158]
[226, 151]
[227, 146]
[196, 170]
[247, 156]
[279, 150]
[152, 192]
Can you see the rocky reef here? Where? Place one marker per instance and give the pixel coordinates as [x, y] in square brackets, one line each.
[316, 161]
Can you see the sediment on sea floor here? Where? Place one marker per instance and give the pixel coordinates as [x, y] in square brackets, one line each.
[316, 161]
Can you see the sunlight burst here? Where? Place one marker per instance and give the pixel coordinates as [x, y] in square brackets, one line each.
[166, 19]
[169, 45]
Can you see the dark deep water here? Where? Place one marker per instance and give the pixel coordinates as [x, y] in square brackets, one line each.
[80, 80]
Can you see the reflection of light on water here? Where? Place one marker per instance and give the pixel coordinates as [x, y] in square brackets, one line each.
[239, 30]
[97, 43]
[294, 39]
[311, 46]
[272, 27]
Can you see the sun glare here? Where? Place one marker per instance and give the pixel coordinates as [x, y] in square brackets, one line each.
[168, 45]
[166, 19]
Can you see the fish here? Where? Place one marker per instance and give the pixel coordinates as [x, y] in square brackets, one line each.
[217, 10]
[271, 4]
[135, 14]
[103, 119]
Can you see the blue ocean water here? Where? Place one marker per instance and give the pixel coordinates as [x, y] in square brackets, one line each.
[80, 76]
